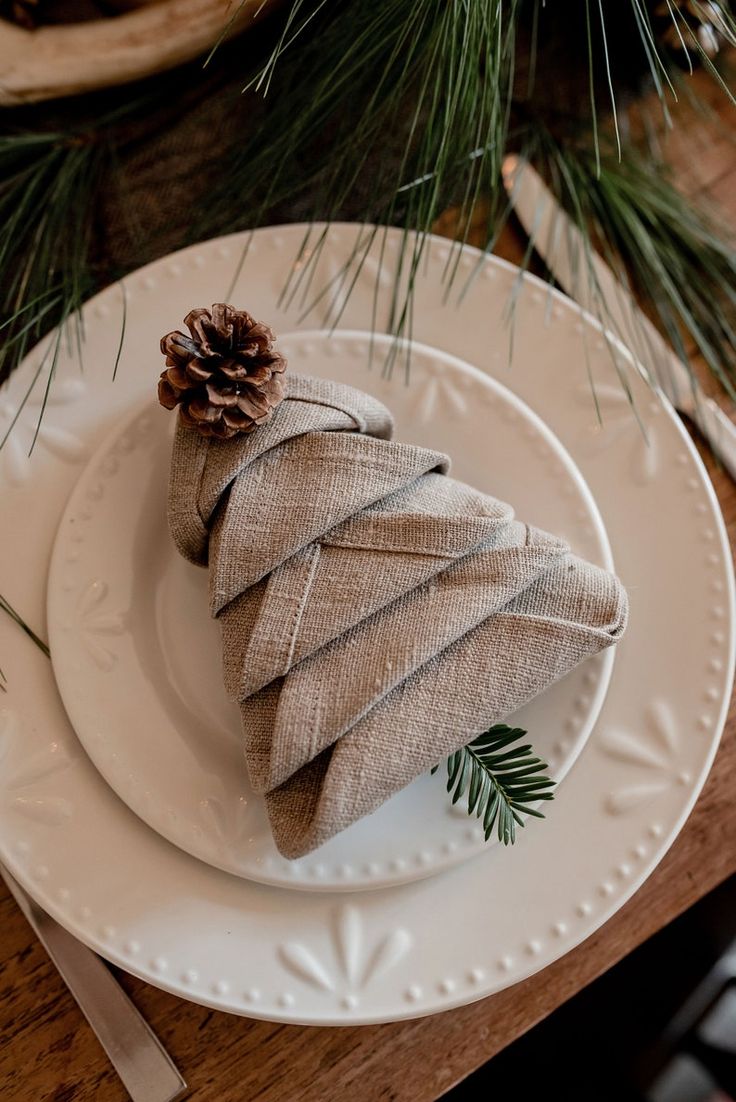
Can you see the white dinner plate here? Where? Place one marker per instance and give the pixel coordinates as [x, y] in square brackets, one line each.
[403, 951]
[137, 657]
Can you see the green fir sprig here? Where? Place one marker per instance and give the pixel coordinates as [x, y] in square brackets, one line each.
[501, 778]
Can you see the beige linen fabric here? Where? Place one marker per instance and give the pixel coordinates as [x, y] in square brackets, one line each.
[376, 614]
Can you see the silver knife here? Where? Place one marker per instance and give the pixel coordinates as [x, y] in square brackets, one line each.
[145, 1068]
[593, 285]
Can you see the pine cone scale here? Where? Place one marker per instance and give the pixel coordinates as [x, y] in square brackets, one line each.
[179, 379]
[198, 371]
[254, 403]
[220, 396]
[201, 410]
[233, 370]
[177, 348]
[167, 396]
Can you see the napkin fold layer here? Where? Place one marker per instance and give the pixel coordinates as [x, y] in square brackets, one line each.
[376, 614]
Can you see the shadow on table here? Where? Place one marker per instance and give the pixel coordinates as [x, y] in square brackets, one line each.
[659, 1027]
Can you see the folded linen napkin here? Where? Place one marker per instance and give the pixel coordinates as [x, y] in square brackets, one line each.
[376, 614]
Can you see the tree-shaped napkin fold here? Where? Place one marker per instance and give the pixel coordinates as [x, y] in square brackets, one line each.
[376, 614]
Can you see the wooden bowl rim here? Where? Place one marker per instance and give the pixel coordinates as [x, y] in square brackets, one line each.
[67, 59]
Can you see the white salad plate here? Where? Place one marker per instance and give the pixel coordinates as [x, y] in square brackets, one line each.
[137, 657]
[335, 958]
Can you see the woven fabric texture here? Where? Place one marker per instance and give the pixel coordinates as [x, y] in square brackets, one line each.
[376, 614]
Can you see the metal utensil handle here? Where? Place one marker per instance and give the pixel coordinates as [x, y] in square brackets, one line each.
[145, 1068]
[590, 281]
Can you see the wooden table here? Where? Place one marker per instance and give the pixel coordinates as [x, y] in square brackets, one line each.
[48, 1052]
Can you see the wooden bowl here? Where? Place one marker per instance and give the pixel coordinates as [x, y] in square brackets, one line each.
[65, 59]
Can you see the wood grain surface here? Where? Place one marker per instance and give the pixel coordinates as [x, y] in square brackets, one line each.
[48, 1053]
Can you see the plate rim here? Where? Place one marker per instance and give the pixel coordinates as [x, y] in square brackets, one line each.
[107, 762]
[604, 912]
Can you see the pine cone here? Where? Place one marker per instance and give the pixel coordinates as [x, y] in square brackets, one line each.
[226, 376]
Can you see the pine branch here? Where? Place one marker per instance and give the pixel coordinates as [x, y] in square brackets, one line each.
[501, 779]
[53, 180]
[389, 112]
[46, 184]
[679, 262]
[8, 609]
[414, 78]
[407, 110]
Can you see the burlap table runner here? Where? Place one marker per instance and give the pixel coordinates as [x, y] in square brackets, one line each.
[376, 614]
